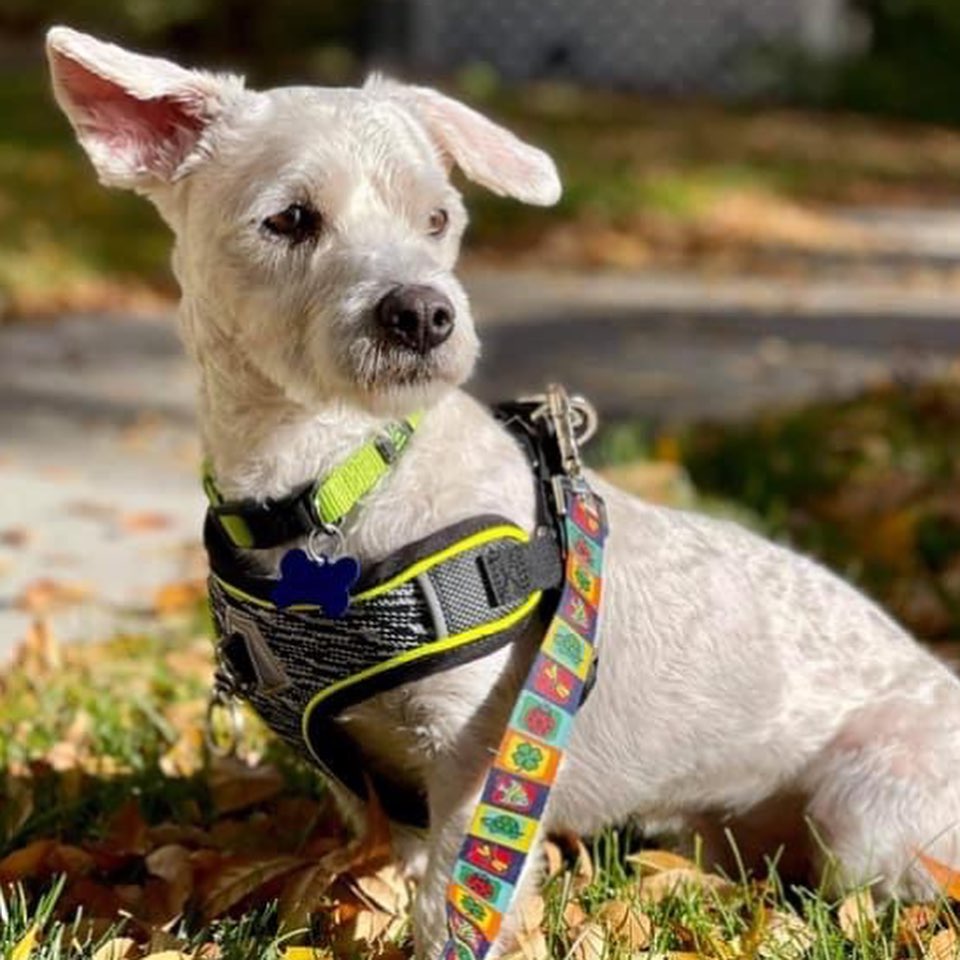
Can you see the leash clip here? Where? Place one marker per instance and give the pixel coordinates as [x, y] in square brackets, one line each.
[224, 727]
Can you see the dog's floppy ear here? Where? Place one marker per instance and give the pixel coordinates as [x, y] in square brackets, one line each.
[140, 119]
[485, 152]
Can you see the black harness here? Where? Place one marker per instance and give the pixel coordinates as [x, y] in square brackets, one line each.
[447, 599]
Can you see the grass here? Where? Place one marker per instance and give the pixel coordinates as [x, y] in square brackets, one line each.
[645, 181]
[116, 824]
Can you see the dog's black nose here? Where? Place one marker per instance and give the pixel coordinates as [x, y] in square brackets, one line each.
[417, 317]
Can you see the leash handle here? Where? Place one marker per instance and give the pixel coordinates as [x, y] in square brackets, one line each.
[506, 821]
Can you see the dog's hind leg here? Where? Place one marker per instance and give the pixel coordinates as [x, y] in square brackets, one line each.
[885, 794]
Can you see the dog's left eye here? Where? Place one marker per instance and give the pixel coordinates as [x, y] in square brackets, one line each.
[437, 224]
[297, 223]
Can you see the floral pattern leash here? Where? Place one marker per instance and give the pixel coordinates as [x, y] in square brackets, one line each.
[505, 821]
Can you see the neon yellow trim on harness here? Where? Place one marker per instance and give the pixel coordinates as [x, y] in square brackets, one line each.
[428, 649]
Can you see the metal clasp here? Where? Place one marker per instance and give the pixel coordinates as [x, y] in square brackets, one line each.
[223, 730]
[574, 421]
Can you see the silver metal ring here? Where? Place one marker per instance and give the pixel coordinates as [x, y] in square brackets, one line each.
[223, 740]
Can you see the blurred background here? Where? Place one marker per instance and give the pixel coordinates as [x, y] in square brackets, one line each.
[753, 272]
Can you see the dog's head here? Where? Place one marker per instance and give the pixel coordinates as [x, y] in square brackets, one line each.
[316, 229]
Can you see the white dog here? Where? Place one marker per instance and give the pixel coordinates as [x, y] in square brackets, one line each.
[734, 674]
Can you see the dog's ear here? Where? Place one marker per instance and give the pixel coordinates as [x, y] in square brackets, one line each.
[140, 119]
[485, 152]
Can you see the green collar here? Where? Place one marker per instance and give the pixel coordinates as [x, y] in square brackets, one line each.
[323, 503]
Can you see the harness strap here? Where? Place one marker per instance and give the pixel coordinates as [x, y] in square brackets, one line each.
[262, 524]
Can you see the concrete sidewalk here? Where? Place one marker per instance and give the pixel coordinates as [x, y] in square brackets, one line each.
[98, 452]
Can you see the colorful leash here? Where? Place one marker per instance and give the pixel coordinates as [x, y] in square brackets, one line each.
[505, 822]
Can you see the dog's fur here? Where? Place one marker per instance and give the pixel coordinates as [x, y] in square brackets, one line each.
[733, 675]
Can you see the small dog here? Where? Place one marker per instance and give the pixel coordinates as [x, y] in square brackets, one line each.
[738, 681]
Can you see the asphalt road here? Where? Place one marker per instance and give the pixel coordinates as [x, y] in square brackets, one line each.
[98, 452]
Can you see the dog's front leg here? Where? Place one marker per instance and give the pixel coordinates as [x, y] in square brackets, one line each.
[453, 798]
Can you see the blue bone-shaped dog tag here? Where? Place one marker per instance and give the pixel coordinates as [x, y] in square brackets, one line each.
[322, 581]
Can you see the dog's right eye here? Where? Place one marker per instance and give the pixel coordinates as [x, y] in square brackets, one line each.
[297, 223]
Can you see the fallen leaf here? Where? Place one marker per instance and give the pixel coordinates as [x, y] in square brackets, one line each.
[305, 953]
[553, 857]
[127, 831]
[234, 785]
[945, 877]
[531, 940]
[912, 920]
[143, 521]
[944, 945]
[238, 880]
[626, 924]
[24, 946]
[172, 864]
[28, 861]
[117, 948]
[590, 944]
[15, 537]
[657, 861]
[857, 915]
[46, 594]
[658, 886]
[178, 598]
[583, 869]
[169, 955]
[385, 890]
[573, 914]
[303, 893]
[785, 936]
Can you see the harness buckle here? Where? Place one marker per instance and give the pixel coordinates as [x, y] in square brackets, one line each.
[224, 727]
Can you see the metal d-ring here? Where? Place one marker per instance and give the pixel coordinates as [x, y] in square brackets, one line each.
[219, 745]
[325, 530]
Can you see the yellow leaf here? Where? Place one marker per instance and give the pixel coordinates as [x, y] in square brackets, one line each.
[25, 946]
[573, 914]
[305, 953]
[857, 915]
[943, 946]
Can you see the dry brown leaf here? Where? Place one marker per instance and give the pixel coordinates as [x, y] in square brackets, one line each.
[46, 594]
[553, 857]
[302, 894]
[658, 886]
[180, 597]
[127, 831]
[143, 521]
[172, 864]
[583, 869]
[384, 890]
[531, 941]
[657, 861]
[944, 945]
[857, 915]
[573, 914]
[239, 879]
[28, 861]
[234, 785]
[626, 924]
[15, 537]
[785, 936]
[117, 948]
[912, 920]
[369, 926]
[590, 943]
[39, 652]
[947, 879]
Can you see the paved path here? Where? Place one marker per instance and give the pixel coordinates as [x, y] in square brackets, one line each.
[98, 455]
